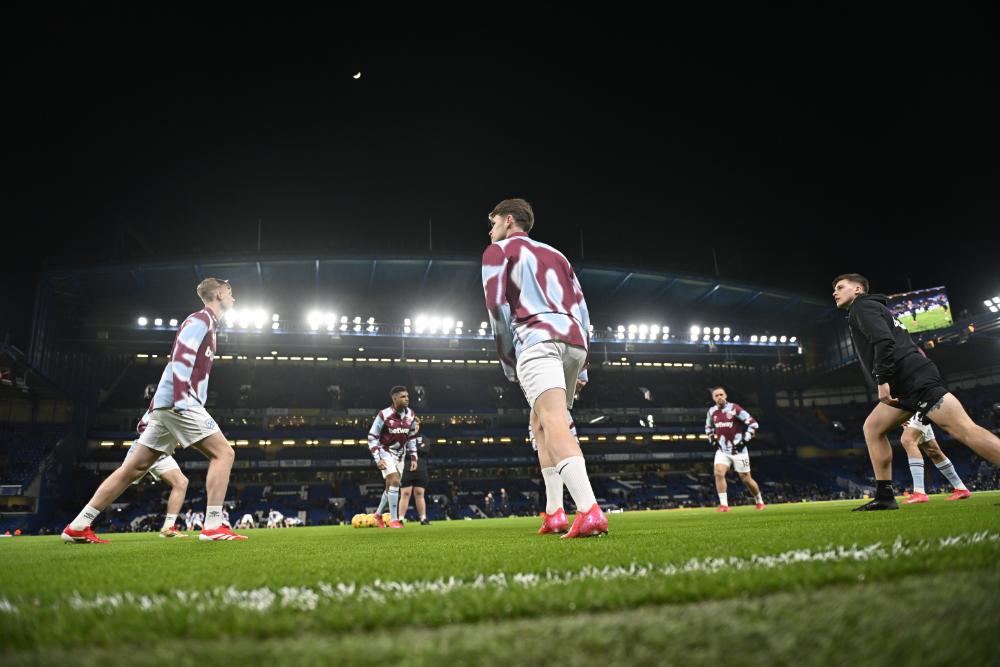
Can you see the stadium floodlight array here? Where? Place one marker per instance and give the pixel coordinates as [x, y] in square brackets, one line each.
[650, 332]
[157, 321]
[993, 304]
[248, 318]
[434, 325]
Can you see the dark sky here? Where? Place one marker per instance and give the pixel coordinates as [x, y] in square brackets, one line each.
[799, 145]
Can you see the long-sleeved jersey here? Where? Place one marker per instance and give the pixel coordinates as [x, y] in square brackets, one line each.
[394, 432]
[532, 295]
[731, 427]
[185, 378]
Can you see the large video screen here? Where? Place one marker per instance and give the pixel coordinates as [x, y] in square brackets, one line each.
[922, 310]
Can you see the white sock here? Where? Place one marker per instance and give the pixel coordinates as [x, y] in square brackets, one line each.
[553, 490]
[213, 517]
[85, 518]
[573, 471]
[169, 521]
[382, 503]
[917, 470]
[947, 469]
[393, 503]
[759, 499]
[723, 498]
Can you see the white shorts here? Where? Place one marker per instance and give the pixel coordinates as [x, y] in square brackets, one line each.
[549, 365]
[740, 461]
[167, 429]
[162, 465]
[926, 432]
[392, 464]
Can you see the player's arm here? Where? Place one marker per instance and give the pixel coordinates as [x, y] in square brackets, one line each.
[749, 422]
[374, 433]
[185, 352]
[497, 308]
[873, 326]
[584, 316]
[710, 429]
[411, 443]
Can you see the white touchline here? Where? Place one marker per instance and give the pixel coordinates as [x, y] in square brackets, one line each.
[308, 598]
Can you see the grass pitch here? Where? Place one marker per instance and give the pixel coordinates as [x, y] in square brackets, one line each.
[794, 584]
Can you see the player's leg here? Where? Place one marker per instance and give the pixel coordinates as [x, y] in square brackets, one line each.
[178, 484]
[741, 463]
[947, 468]
[393, 479]
[910, 440]
[220, 457]
[405, 493]
[949, 414]
[720, 468]
[132, 468]
[553, 483]
[880, 422]
[421, 503]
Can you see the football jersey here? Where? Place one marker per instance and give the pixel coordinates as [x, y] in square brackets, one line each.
[732, 426]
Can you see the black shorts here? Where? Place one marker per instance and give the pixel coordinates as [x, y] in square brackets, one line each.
[918, 386]
[418, 477]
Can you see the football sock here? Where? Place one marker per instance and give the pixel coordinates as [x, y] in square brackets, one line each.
[213, 517]
[169, 521]
[553, 490]
[947, 469]
[723, 498]
[393, 503]
[573, 472]
[917, 470]
[85, 518]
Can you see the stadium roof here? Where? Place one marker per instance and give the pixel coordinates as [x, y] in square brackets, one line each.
[391, 288]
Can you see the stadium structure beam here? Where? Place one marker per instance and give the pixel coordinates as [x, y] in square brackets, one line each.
[792, 303]
[753, 297]
[427, 272]
[371, 275]
[622, 283]
[709, 293]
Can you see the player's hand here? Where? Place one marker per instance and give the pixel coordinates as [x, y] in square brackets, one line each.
[885, 396]
[413, 465]
[580, 384]
[381, 464]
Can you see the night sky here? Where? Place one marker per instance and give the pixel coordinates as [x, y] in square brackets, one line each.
[798, 145]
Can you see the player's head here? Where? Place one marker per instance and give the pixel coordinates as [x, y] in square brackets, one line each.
[719, 396]
[847, 287]
[510, 216]
[213, 291]
[400, 397]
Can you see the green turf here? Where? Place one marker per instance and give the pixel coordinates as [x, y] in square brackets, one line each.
[650, 606]
[932, 319]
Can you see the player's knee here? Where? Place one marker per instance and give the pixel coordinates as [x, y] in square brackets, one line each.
[909, 440]
[872, 429]
[418, 492]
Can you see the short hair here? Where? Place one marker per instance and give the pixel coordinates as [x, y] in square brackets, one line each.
[717, 388]
[208, 287]
[521, 210]
[854, 278]
[398, 389]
